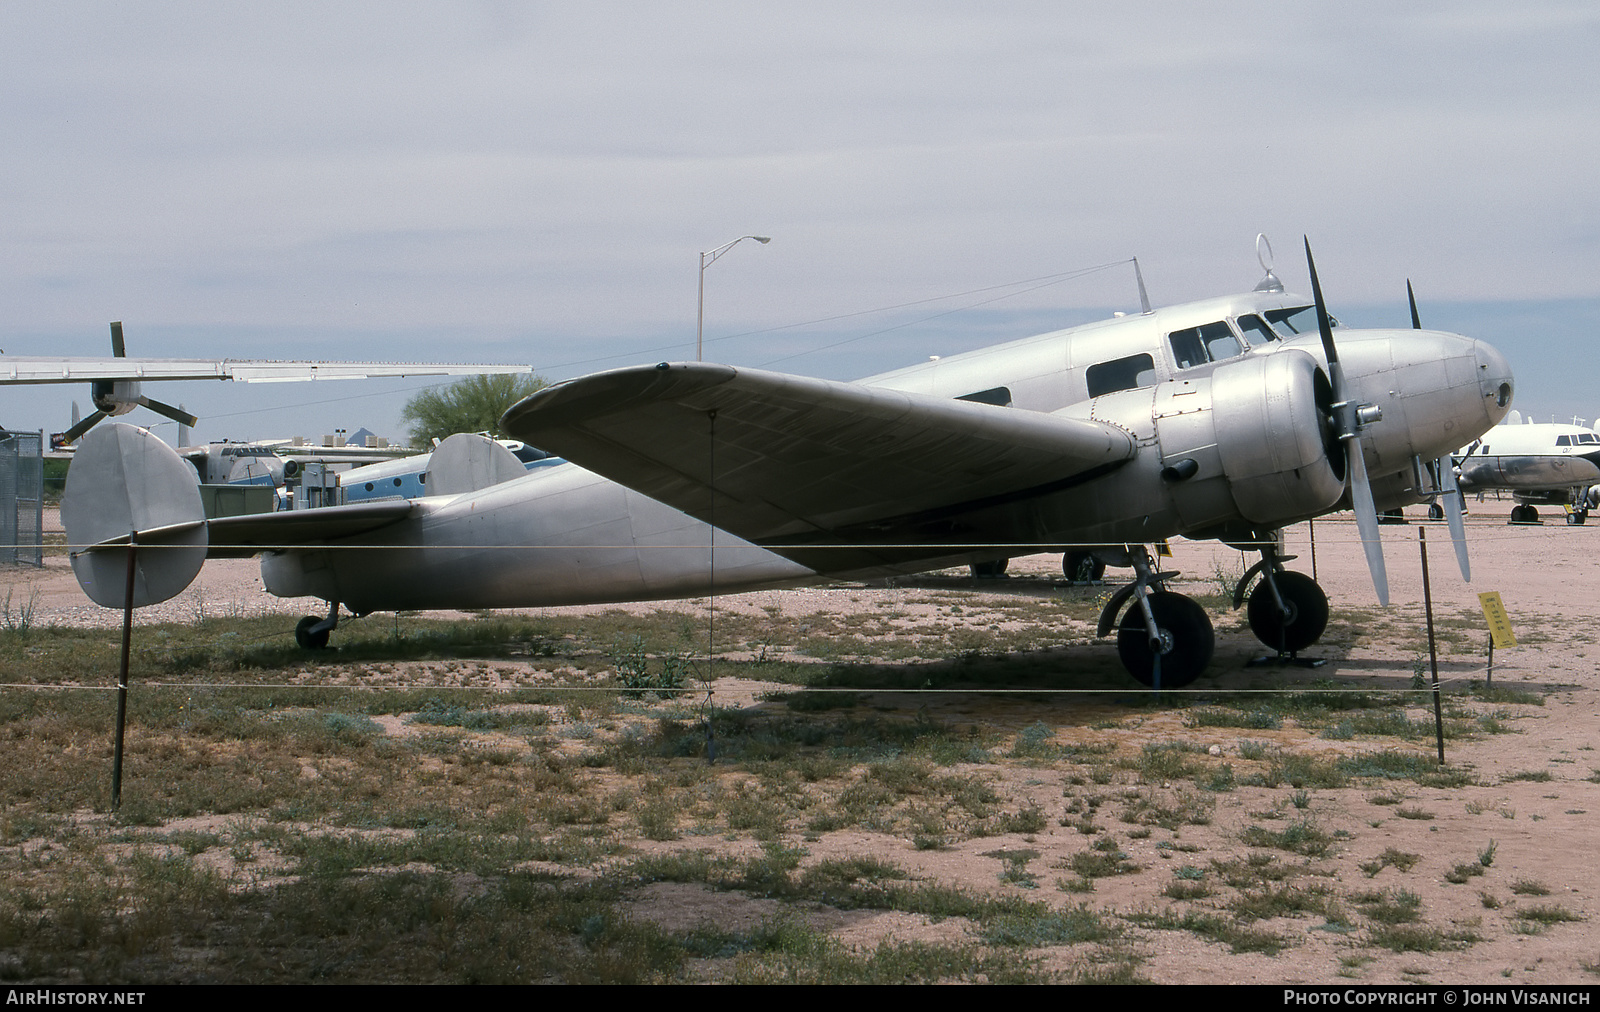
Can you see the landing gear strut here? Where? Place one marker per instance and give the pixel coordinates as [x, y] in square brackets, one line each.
[1164, 639]
[1288, 611]
[311, 632]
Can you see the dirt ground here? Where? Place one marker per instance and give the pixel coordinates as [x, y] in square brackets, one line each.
[1533, 804]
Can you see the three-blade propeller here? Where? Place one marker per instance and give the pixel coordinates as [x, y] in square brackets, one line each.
[106, 400]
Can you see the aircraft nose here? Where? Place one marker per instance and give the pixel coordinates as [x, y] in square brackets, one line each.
[1494, 379]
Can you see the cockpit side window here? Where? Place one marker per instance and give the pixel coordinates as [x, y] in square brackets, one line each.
[1588, 437]
[1199, 345]
[1563, 440]
[1121, 374]
[1220, 341]
[1255, 330]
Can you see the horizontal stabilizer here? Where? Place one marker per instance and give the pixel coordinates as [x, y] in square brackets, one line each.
[243, 536]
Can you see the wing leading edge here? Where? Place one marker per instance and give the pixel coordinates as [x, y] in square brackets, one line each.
[789, 461]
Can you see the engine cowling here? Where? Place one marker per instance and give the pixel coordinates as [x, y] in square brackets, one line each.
[1250, 441]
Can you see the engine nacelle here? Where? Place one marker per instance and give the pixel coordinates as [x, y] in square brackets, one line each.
[1250, 441]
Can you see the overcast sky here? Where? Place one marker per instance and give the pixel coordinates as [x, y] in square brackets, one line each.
[534, 182]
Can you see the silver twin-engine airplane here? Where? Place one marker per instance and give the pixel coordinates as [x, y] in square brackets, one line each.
[1228, 418]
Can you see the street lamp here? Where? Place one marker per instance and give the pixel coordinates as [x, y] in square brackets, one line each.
[706, 260]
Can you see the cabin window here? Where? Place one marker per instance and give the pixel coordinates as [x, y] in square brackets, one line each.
[1121, 374]
[1199, 345]
[1255, 330]
[998, 396]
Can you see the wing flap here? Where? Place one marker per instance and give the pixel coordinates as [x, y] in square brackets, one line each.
[794, 460]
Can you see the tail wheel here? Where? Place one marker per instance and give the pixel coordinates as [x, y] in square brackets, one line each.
[1187, 631]
[1082, 567]
[1308, 613]
[305, 638]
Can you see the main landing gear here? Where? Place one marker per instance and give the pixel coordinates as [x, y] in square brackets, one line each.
[1287, 611]
[311, 633]
[1524, 514]
[1164, 639]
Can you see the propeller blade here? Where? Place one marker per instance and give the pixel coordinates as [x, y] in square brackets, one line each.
[1367, 518]
[118, 350]
[178, 415]
[1416, 321]
[1324, 325]
[1361, 501]
[72, 434]
[1450, 499]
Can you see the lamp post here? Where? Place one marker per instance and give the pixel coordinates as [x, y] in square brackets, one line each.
[706, 260]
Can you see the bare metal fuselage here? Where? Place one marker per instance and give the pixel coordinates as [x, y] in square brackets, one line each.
[1222, 448]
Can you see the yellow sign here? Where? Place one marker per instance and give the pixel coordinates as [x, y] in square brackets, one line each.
[1494, 612]
[1163, 549]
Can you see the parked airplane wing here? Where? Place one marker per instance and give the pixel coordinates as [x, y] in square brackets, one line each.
[28, 369]
[796, 460]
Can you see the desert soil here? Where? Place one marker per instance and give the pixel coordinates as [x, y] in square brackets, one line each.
[1535, 793]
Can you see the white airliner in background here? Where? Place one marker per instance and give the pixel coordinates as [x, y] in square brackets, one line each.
[1544, 463]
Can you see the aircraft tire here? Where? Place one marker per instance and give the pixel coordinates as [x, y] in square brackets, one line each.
[308, 640]
[991, 570]
[1308, 613]
[1435, 511]
[1193, 641]
[1082, 567]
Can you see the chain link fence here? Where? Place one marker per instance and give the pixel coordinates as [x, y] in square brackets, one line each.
[22, 498]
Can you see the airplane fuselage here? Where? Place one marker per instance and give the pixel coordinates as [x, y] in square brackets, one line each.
[1224, 402]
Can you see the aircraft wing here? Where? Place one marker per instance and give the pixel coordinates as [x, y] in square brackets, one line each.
[28, 369]
[795, 461]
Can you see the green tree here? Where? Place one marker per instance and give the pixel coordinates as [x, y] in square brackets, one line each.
[471, 404]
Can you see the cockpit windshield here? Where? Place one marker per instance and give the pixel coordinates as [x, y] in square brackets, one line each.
[1294, 322]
